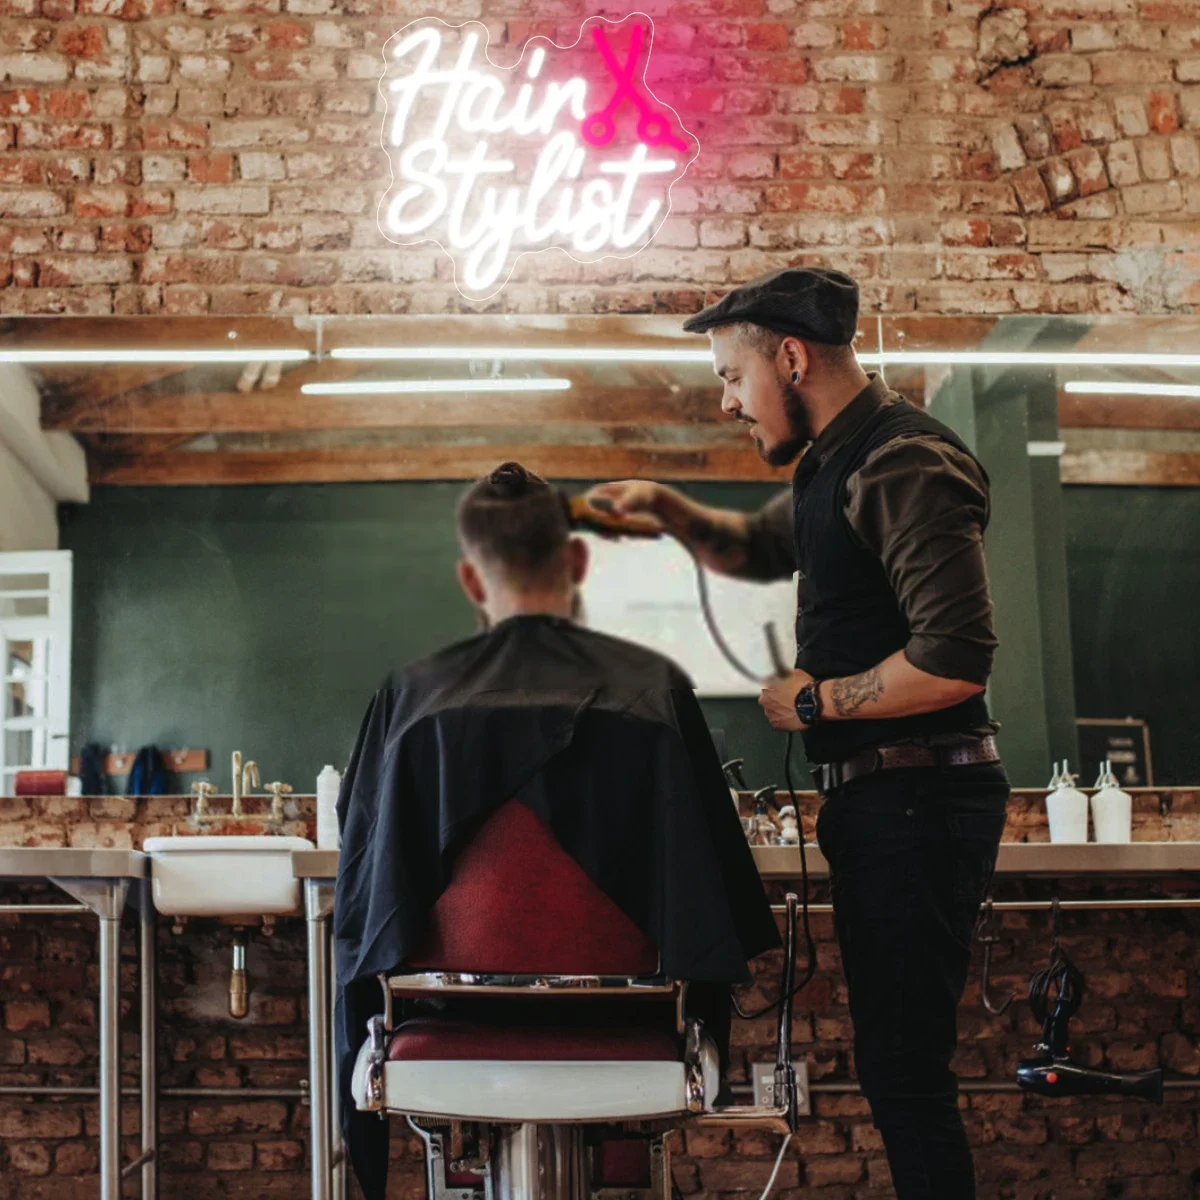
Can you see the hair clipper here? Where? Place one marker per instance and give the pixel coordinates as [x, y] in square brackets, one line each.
[599, 516]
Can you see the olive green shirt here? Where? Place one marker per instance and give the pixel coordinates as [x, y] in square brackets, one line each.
[920, 505]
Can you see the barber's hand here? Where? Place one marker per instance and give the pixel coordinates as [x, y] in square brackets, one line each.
[778, 701]
[634, 500]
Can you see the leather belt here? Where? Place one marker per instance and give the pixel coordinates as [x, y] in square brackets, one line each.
[829, 776]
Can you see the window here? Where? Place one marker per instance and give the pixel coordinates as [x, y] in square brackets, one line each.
[35, 657]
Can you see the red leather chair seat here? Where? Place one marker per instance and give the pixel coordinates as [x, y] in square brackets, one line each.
[428, 1039]
[518, 903]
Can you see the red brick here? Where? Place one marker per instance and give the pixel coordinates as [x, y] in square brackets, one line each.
[767, 37]
[29, 1158]
[175, 135]
[230, 1156]
[39, 1120]
[1030, 189]
[286, 35]
[69, 106]
[210, 168]
[23, 103]
[26, 1016]
[279, 1156]
[82, 41]
[1164, 114]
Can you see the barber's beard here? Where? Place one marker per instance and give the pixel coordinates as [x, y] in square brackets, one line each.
[788, 451]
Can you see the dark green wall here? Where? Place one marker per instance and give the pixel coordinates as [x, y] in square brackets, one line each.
[1133, 557]
[262, 618]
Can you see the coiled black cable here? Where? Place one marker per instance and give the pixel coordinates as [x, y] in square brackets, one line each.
[739, 666]
[1055, 994]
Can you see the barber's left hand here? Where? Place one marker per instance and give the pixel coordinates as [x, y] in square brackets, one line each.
[778, 701]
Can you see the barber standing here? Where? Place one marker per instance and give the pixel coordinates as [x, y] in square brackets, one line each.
[884, 525]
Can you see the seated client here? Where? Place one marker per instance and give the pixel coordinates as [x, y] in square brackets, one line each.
[587, 739]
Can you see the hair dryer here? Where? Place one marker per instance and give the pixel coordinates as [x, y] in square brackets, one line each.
[1055, 995]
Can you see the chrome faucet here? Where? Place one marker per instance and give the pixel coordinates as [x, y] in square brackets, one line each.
[250, 778]
[236, 772]
[245, 777]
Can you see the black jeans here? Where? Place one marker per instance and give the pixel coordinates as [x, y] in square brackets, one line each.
[911, 855]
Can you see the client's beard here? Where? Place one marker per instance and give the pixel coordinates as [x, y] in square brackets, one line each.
[788, 451]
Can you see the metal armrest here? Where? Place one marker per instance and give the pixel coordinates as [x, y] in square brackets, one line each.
[446, 983]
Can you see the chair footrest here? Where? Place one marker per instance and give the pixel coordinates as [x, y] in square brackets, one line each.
[547, 1091]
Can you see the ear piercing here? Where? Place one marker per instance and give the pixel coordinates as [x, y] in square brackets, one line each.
[795, 376]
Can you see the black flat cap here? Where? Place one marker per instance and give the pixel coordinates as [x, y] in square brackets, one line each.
[804, 302]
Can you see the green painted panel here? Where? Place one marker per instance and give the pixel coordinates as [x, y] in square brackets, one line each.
[1133, 557]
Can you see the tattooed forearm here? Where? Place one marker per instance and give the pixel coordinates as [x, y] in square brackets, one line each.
[849, 695]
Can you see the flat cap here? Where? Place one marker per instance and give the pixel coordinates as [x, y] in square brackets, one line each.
[804, 302]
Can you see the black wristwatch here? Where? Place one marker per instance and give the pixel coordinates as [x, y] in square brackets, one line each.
[808, 702]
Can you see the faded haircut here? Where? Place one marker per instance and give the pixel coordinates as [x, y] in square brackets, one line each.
[767, 342]
[515, 522]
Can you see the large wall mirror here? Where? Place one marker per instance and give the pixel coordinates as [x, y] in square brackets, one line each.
[260, 512]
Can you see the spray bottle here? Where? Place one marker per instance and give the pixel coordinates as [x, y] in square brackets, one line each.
[1067, 808]
[1112, 809]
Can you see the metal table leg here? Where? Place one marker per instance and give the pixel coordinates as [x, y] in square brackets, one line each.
[148, 966]
[318, 902]
[106, 898]
[337, 1146]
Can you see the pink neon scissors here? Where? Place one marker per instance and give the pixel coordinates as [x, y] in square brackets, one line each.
[653, 127]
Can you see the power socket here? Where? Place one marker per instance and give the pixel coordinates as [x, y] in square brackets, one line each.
[762, 1075]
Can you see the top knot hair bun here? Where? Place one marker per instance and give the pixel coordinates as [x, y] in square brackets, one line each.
[510, 480]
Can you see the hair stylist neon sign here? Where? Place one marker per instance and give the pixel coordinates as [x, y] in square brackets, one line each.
[568, 148]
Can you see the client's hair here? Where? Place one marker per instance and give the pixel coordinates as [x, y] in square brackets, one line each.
[515, 521]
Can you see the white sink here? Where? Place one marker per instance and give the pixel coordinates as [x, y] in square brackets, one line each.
[224, 876]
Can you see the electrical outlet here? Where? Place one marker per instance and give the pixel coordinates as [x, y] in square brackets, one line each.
[762, 1075]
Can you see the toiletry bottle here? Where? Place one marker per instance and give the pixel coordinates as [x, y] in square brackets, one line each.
[1067, 808]
[789, 826]
[329, 783]
[765, 832]
[1112, 809]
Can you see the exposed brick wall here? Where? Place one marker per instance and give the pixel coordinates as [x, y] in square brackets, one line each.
[1142, 1008]
[956, 156]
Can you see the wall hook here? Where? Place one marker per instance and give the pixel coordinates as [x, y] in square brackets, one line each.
[986, 935]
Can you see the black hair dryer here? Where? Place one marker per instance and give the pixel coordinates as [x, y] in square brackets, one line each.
[1055, 995]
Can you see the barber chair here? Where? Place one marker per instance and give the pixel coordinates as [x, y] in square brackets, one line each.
[544, 1055]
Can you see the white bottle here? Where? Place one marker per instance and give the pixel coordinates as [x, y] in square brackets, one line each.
[1112, 809]
[329, 783]
[1067, 808]
[789, 826]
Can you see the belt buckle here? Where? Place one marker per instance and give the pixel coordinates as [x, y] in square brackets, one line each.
[831, 777]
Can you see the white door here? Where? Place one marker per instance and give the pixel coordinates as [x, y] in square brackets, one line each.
[35, 656]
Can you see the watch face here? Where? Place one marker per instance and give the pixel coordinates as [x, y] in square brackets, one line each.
[806, 704]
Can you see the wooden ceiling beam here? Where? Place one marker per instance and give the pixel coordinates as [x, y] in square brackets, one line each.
[364, 464]
[1127, 412]
[1130, 468]
[286, 409]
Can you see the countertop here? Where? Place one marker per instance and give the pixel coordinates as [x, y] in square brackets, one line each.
[1016, 858]
[64, 862]
[1025, 858]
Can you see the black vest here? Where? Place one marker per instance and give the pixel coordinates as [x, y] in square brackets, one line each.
[847, 616]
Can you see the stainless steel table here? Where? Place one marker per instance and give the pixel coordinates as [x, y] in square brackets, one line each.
[318, 871]
[1024, 858]
[100, 881]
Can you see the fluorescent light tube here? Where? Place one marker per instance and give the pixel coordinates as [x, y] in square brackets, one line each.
[395, 387]
[521, 354]
[636, 354]
[1088, 387]
[66, 358]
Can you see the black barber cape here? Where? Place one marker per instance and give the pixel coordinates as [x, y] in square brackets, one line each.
[606, 742]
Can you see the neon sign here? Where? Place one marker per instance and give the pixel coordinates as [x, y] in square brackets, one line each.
[567, 149]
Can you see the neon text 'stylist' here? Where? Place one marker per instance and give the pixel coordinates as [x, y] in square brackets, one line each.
[491, 163]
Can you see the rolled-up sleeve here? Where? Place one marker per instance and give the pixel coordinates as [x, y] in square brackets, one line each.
[770, 548]
[922, 505]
